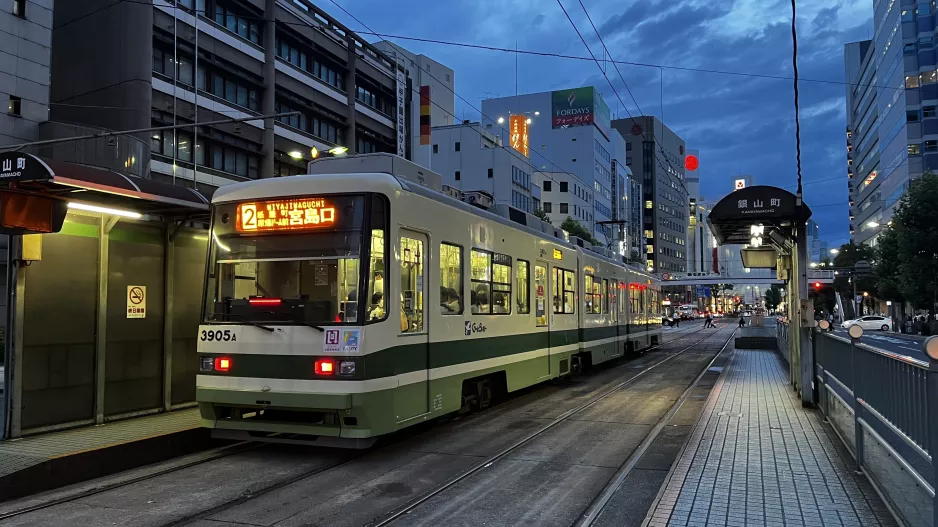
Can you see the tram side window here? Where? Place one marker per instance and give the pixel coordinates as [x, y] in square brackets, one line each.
[635, 301]
[411, 285]
[523, 278]
[593, 294]
[501, 284]
[540, 291]
[376, 309]
[451, 288]
[491, 283]
[564, 290]
[606, 297]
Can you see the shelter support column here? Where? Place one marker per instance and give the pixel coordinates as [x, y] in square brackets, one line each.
[794, 308]
[100, 349]
[806, 344]
[169, 254]
[13, 371]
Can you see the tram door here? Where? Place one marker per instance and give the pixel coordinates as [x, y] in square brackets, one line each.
[613, 293]
[542, 309]
[411, 398]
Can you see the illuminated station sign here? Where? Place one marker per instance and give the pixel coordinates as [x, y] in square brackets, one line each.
[285, 215]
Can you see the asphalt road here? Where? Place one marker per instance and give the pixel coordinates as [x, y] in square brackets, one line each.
[898, 343]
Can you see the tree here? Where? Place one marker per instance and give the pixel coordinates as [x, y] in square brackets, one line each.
[773, 297]
[917, 242]
[886, 269]
[541, 215]
[848, 255]
[574, 228]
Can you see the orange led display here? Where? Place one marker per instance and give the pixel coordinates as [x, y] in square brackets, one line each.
[285, 215]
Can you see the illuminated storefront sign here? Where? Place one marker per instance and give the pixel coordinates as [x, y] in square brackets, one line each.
[519, 134]
[285, 215]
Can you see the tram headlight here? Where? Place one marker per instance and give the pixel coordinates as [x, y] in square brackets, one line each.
[324, 367]
[207, 364]
[347, 367]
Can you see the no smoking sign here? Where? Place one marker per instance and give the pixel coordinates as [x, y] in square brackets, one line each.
[136, 301]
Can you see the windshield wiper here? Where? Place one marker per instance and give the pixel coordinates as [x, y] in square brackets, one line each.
[248, 322]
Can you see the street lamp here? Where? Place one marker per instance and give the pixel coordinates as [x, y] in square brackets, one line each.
[872, 224]
[835, 251]
[813, 264]
[501, 120]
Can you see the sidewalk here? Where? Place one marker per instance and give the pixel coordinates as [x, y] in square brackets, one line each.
[46, 461]
[757, 458]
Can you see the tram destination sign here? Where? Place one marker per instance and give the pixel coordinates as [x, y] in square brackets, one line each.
[285, 215]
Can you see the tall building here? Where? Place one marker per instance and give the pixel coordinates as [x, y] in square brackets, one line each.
[864, 119]
[25, 57]
[438, 83]
[469, 158]
[571, 144]
[227, 59]
[657, 156]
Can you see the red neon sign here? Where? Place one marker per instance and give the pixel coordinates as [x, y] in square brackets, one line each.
[285, 215]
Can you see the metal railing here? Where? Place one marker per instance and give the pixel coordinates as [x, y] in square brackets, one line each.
[879, 403]
[126, 154]
[781, 332]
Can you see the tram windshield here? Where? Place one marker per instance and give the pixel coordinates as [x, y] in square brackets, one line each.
[293, 261]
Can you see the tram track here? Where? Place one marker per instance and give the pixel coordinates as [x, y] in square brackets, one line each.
[244, 447]
[594, 510]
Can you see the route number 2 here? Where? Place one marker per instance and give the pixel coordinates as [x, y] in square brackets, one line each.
[249, 217]
[218, 334]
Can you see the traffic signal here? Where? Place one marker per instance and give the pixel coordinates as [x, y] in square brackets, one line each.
[817, 285]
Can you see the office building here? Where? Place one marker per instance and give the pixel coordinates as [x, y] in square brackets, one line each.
[892, 133]
[25, 51]
[470, 158]
[571, 144]
[225, 58]
[864, 186]
[438, 83]
[657, 156]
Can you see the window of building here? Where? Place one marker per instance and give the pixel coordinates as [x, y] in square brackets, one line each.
[373, 99]
[924, 8]
[564, 186]
[929, 77]
[365, 146]
[491, 171]
[564, 208]
[451, 288]
[547, 207]
[911, 81]
[928, 111]
[290, 52]
[931, 146]
[523, 287]
[457, 146]
[547, 186]
[649, 204]
[910, 48]
[911, 116]
[19, 8]
[491, 283]
[457, 175]
[245, 27]
[16, 106]
[564, 291]
[925, 42]
[436, 149]
[907, 15]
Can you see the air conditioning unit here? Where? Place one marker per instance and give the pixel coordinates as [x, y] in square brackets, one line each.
[479, 198]
[453, 192]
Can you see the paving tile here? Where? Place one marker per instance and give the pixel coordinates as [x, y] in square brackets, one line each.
[758, 458]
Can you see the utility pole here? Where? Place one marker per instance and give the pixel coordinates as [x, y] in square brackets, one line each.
[270, 90]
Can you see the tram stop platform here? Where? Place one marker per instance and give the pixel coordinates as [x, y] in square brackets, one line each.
[43, 462]
[757, 458]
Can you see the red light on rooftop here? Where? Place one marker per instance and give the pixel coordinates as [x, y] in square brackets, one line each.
[691, 162]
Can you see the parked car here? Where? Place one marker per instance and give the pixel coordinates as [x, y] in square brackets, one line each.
[872, 322]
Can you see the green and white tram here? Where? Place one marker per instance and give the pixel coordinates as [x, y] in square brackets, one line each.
[352, 303]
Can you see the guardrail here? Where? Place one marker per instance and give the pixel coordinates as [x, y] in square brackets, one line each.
[878, 403]
[781, 332]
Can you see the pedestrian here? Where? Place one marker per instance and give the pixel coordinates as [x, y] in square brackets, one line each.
[830, 321]
[742, 321]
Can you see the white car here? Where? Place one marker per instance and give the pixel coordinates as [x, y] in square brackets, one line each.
[872, 322]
